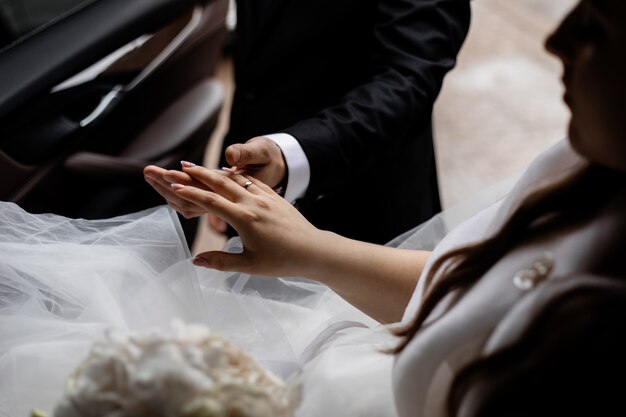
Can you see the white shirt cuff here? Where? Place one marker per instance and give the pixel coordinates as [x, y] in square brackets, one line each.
[297, 164]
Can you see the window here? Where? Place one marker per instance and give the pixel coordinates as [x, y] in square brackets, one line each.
[21, 17]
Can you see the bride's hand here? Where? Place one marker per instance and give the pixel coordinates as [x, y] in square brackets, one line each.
[161, 180]
[277, 239]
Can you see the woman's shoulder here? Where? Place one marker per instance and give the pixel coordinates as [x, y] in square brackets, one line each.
[557, 162]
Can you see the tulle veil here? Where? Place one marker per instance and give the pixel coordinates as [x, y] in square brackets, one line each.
[63, 282]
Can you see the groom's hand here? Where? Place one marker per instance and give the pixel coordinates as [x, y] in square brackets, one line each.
[260, 158]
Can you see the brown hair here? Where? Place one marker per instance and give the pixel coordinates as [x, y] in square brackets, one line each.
[571, 201]
[566, 363]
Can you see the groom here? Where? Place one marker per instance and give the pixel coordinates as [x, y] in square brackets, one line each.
[333, 108]
[346, 90]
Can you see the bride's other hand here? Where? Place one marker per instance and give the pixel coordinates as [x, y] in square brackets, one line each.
[161, 180]
[277, 239]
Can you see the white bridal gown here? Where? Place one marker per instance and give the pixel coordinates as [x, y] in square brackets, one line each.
[63, 282]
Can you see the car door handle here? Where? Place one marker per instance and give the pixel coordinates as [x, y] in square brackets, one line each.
[181, 126]
[107, 102]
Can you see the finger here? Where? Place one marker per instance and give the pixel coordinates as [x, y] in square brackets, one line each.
[233, 170]
[233, 154]
[256, 151]
[185, 208]
[153, 171]
[164, 190]
[222, 261]
[217, 224]
[247, 183]
[167, 177]
[156, 178]
[211, 201]
[219, 182]
[178, 177]
[260, 185]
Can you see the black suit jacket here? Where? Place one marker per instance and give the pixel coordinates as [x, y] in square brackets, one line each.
[354, 81]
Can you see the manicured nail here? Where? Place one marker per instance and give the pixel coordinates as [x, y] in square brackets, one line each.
[187, 164]
[199, 261]
[232, 170]
[177, 187]
[237, 156]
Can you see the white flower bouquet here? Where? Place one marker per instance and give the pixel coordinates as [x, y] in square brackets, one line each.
[184, 372]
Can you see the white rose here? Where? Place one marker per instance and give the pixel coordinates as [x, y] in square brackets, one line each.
[186, 371]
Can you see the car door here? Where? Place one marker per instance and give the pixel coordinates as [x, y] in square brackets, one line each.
[93, 90]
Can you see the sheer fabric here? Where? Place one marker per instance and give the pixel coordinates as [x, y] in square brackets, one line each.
[65, 281]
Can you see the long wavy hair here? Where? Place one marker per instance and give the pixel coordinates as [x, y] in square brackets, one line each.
[571, 361]
[572, 201]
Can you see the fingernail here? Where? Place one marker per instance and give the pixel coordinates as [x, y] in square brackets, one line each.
[232, 170]
[187, 164]
[199, 261]
[177, 187]
[237, 156]
[149, 180]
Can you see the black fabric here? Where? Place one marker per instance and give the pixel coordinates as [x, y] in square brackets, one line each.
[354, 81]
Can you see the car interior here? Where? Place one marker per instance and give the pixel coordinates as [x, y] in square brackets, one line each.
[93, 91]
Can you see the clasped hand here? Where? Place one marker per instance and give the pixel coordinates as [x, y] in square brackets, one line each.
[277, 239]
[259, 157]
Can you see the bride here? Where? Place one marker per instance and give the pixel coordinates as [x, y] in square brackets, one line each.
[517, 311]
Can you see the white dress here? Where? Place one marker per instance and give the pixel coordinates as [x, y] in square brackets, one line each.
[63, 282]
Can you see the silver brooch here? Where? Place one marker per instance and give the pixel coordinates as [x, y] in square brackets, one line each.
[539, 271]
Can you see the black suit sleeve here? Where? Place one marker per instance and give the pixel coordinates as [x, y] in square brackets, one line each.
[415, 45]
